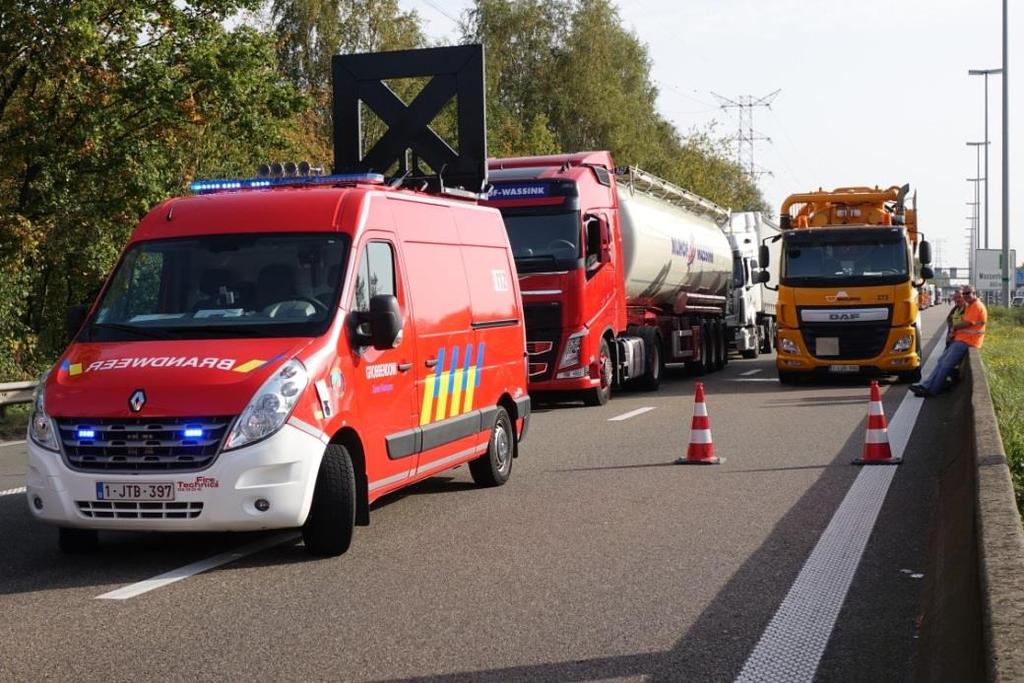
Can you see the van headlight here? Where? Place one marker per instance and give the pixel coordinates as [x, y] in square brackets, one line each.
[40, 428]
[788, 345]
[903, 343]
[571, 354]
[270, 407]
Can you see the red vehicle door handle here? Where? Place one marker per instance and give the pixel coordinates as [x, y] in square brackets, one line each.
[404, 367]
[431, 362]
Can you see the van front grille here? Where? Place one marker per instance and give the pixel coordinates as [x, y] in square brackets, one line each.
[115, 509]
[168, 444]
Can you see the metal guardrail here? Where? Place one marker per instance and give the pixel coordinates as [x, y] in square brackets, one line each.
[15, 392]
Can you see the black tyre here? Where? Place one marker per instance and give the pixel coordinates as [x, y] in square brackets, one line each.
[77, 541]
[654, 362]
[787, 377]
[751, 354]
[764, 339]
[494, 467]
[910, 377]
[332, 516]
[599, 396]
[721, 344]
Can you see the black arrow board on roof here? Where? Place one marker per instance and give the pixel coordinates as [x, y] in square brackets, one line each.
[455, 72]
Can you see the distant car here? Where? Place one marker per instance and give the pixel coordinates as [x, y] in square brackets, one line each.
[1017, 301]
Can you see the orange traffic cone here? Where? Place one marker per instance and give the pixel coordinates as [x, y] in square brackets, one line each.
[701, 450]
[876, 441]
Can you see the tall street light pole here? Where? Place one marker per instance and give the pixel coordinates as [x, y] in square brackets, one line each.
[986, 73]
[976, 242]
[1007, 268]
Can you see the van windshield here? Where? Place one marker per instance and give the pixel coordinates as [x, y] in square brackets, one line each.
[543, 241]
[222, 286]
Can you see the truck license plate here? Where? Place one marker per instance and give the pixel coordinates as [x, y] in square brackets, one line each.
[844, 369]
[120, 490]
[826, 346]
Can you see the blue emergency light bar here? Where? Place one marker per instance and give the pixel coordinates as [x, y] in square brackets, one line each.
[193, 433]
[227, 185]
[86, 434]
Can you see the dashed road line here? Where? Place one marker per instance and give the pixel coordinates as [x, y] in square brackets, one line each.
[791, 647]
[750, 372]
[11, 492]
[632, 413]
[751, 379]
[188, 570]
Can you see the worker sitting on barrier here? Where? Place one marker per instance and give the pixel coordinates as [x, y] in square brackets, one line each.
[970, 331]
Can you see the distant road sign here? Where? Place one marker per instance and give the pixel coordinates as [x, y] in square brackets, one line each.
[990, 269]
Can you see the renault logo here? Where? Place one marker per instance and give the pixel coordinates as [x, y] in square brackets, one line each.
[137, 400]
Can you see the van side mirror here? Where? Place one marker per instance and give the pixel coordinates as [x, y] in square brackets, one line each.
[924, 252]
[379, 327]
[74, 319]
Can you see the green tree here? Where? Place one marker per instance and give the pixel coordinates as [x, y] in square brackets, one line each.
[106, 108]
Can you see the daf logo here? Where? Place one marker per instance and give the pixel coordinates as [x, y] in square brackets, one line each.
[137, 400]
[844, 316]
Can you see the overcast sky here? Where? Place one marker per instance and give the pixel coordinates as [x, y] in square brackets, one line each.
[872, 92]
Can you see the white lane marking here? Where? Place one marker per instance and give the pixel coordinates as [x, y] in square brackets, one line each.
[750, 372]
[11, 443]
[632, 413]
[161, 580]
[11, 492]
[791, 647]
[752, 379]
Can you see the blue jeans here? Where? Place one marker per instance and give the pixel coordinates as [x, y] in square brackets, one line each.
[949, 359]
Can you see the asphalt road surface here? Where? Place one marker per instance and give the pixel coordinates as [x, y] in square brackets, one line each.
[599, 560]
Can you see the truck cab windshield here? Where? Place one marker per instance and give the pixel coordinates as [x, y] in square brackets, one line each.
[544, 241]
[825, 262]
[222, 286]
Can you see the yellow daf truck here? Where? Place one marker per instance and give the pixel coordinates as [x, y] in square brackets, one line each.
[850, 269]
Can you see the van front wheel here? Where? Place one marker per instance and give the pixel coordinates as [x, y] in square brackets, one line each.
[328, 529]
[494, 467]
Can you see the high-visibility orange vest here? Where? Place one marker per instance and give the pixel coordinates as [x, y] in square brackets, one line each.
[977, 315]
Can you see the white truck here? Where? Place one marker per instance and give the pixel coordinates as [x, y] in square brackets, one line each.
[751, 309]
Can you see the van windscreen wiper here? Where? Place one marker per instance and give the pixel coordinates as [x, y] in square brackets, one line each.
[135, 329]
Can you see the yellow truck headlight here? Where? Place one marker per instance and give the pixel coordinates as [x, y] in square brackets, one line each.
[903, 343]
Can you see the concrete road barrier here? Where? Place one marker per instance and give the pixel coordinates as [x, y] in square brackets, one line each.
[1000, 538]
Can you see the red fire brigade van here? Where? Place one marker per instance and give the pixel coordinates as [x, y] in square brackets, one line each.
[281, 352]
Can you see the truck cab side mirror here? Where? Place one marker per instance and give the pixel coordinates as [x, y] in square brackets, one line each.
[762, 257]
[379, 327]
[599, 242]
[924, 252]
[927, 273]
[763, 276]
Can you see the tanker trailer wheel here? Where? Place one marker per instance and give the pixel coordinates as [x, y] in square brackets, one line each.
[698, 368]
[654, 362]
[723, 344]
[600, 395]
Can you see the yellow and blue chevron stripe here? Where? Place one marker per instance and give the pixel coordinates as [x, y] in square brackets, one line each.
[448, 391]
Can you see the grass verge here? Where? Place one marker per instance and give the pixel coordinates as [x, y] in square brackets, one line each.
[14, 422]
[1003, 353]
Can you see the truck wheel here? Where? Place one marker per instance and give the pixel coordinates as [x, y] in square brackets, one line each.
[328, 528]
[787, 377]
[494, 467]
[698, 368]
[77, 541]
[910, 377]
[751, 354]
[600, 395]
[654, 362]
[723, 345]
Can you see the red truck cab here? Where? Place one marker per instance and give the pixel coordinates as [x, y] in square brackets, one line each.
[560, 211]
